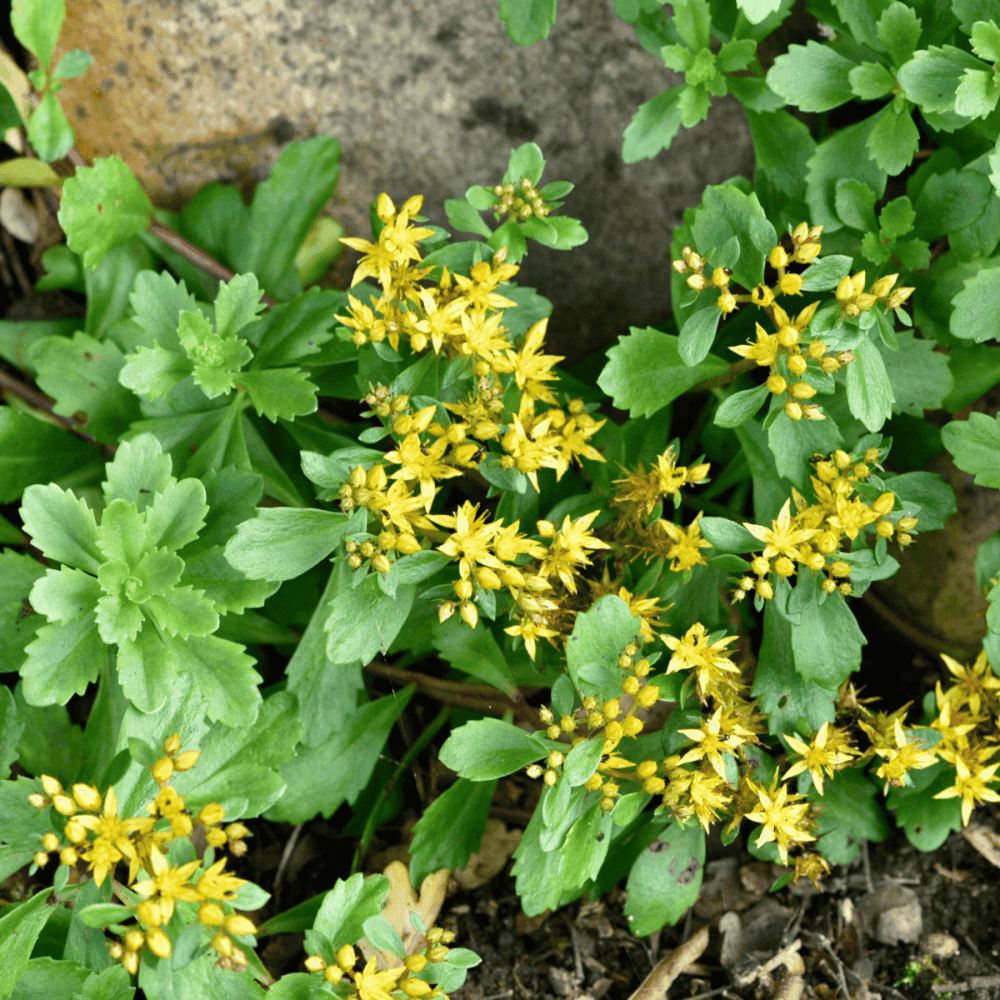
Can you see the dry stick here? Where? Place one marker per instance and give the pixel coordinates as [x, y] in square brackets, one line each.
[40, 401]
[286, 856]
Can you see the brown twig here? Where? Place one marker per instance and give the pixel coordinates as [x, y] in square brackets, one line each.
[972, 983]
[286, 857]
[475, 696]
[40, 401]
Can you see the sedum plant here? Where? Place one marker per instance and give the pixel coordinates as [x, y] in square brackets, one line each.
[241, 498]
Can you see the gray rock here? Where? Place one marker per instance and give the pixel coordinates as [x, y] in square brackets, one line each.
[424, 97]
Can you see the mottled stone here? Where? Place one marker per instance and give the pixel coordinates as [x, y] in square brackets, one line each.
[424, 97]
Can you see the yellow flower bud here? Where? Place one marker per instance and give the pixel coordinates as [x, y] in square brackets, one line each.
[555, 759]
[315, 963]
[68, 856]
[788, 336]
[181, 825]
[765, 589]
[648, 696]
[846, 589]
[463, 589]
[415, 963]
[646, 769]
[801, 233]
[803, 390]
[907, 523]
[41, 859]
[415, 987]
[726, 302]
[51, 786]
[631, 726]
[38, 801]
[438, 953]
[238, 926]
[347, 957]
[381, 564]
[87, 796]
[553, 732]
[215, 837]
[487, 579]
[899, 296]
[784, 566]
[534, 771]
[844, 292]
[222, 944]
[903, 539]
[778, 258]
[698, 282]
[884, 529]
[162, 770]
[115, 950]
[550, 778]
[840, 568]
[613, 732]
[630, 685]
[211, 814]
[720, 277]
[149, 913]
[445, 610]
[468, 613]
[134, 940]
[334, 973]
[806, 252]
[75, 831]
[50, 842]
[172, 744]
[607, 804]
[612, 709]
[653, 786]
[762, 296]
[776, 383]
[593, 782]
[186, 760]
[211, 915]
[65, 806]
[158, 942]
[793, 410]
[883, 286]
[884, 504]
[790, 284]
[407, 544]
[829, 365]
[760, 565]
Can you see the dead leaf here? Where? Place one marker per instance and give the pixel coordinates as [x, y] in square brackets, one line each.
[985, 841]
[18, 215]
[401, 903]
[890, 914]
[788, 986]
[656, 984]
[497, 845]
[731, 930]
[939, 946]
[724, 889]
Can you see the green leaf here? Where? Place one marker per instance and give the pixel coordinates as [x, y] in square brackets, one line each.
[653, 126]
[692, 19]
[975, 370]
[35, 451]
[50, 743]
[785, 696]
[736, 55]
[812, 77]
[598, 638]
[487, 749]
[49, 132]
[927, 821]
[113, 983]
[950, 201]
[581, 762]
[856, 207]
[769, 492]
[465, 218]
[295, 329]
[934, 496]
[698, 334]
[976, 307]
[561, 233]
[527, 20]
[894, 138]
[794, 442]
[725, 212]
[919, 375]
[280, 392]
[73, 64]
[65, 595]
[347, 906]
[11, 728]
[283, 211]
[451, 828]
[870, 81]
[585, 848]
[153, 372]
[321, 779]
[281, 543]
[46, 978]
[869, 391]
[19, 929]
[102, 914]
[826, 644]
[896, 218]
[844, 155]
[728, 536]
[176, 515]
[537, 871]
[36, 25]
[756, 10]
[849, 815]
[899, 31]
[826, 272]
[82, 375]
[102, 206]
[62, 526]
[645, 372]
[975, 446]
[931, 78]
[380, 933]
[976, 95]
[158, 301]
[237, 304]
[665, 880]
[782, 147]
[985, 39]
[216, 359]
[364, 621]
[740, 407]
[475, 652]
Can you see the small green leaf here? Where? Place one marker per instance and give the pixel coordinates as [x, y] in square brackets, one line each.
[693, 19]
[645, 371]
[581, 762]
[975, 446]
[728, 536]
[49, 132]
[237, 304]
[976, 307]
[598, 638]
[976, 95]
[653, 126]
[985, 41]
[465, 218]
[73, 64]
[384, 936]
[826, 643]
[919, 375]
[812, 77]
[897, 217]
[870, 81]
[931, 78]
[19, 929]
[488, 749]
[280, 392]
[856, 208]
[481, 198]
[102, 914]
[36, 25]
[347, 906]
[826, 273]
[740, 407]
[950, 201]
[698, 334]
[62, 526]
[899, 31]
[894, 138]
[869, 391]
[102, 207]
[364, 621]
[153, 372]
[726, 212]
[527, 21]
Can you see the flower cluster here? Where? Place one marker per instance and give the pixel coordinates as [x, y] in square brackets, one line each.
[95, 834]
[370, 984]
[521, 200]
[813, 537]
[795, 363]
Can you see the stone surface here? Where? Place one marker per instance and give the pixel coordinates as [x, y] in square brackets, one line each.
[424, 97]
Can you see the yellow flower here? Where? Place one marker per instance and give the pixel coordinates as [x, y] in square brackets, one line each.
[684, 551]
[710, 661]
[784, 816]
[217, 884]
[764, 352]
[423, 464]
[817, 756]
[972, 685]
[784, 536]
[712, 741]
[110, 837]
[372, 985]
[169, 884]
[531, 368]
[972, 788]
[568, 549]
[906, 755]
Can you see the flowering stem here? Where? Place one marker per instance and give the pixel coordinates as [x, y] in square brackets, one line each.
[736, 369]
[373, 817]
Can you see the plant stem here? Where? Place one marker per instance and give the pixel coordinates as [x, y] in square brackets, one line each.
[425, 737]
[736, 369]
